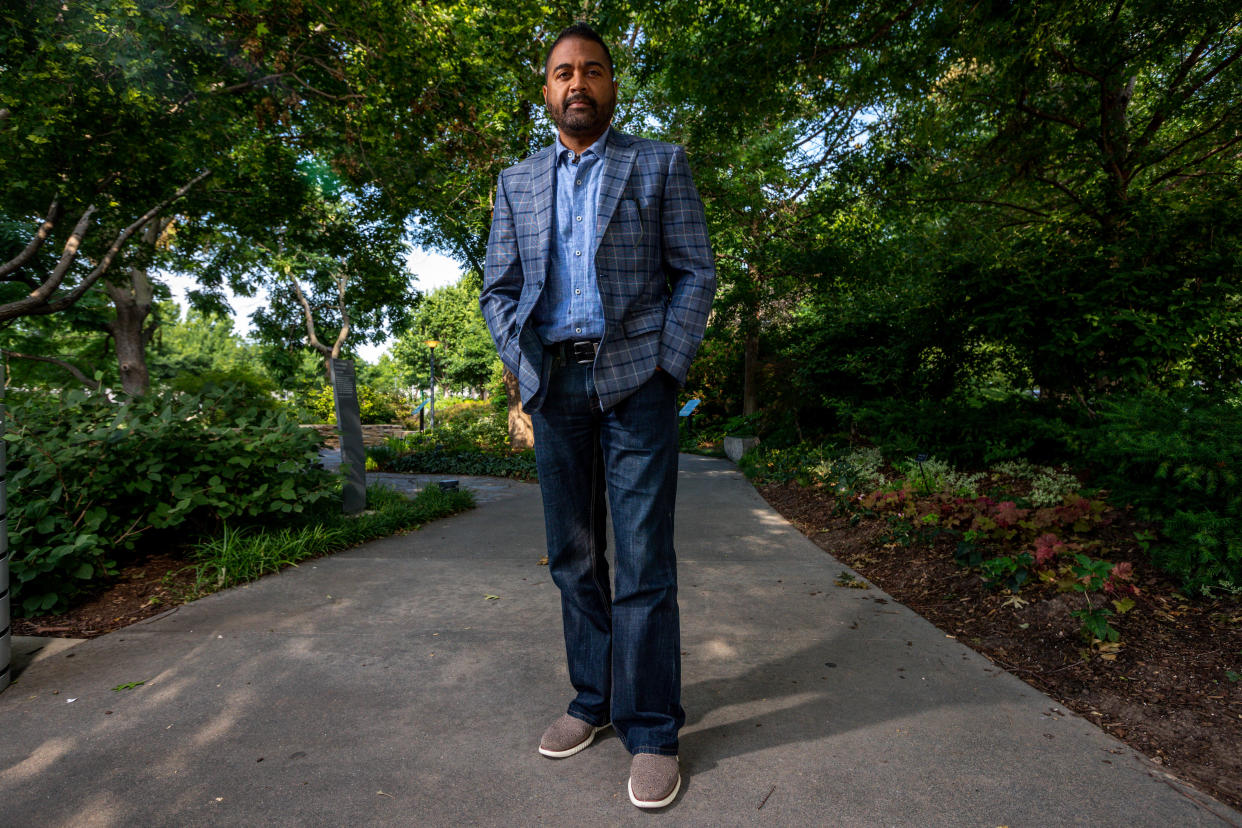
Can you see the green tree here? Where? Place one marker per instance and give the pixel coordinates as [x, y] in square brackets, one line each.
[334, 270]
[140, 122]
[1081, 160]
[466, 357]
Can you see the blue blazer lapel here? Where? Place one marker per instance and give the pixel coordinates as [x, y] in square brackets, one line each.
[543, 188]
[618, 162]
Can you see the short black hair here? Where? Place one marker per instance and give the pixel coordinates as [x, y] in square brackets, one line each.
[581, 31]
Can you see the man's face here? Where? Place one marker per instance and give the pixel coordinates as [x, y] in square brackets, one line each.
[580, 92]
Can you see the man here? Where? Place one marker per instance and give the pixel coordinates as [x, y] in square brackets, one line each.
[597, 287]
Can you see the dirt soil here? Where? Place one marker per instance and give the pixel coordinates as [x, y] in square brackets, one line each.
[140, 590]
[1172, 690]
[1167, 692]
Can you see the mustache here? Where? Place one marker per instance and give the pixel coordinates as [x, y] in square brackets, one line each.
[579, 98]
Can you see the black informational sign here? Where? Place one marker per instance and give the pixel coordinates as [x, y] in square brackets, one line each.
[349, 424]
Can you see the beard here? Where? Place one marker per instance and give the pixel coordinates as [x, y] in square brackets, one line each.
[589, 120]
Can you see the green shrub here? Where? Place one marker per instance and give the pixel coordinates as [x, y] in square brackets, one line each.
[776, 464]
[472, 439]
[455, 411]
[1178, 458]
[374, 407]
[233, 391]
[90, 479]
[472, 461]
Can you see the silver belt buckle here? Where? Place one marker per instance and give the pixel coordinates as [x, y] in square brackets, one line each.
[583, 352]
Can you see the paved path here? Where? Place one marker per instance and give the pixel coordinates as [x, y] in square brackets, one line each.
[486, 489]
[385, 686]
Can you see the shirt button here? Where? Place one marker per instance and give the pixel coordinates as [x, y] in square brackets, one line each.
[578, 330]
[577, 291]
[578, 218]
[577, 252]
[578, 183]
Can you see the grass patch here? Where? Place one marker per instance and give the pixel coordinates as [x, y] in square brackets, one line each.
[241, 555]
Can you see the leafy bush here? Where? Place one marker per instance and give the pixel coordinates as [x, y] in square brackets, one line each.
[442, 460]
[1178, 458]
[474, 439]
[773, 464]
[233, 391]
[374, 407]
[471, 423]
[90, 479]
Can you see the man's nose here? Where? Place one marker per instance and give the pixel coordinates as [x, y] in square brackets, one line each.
[578, 82]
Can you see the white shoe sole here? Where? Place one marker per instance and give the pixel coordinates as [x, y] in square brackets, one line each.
[657, 804]
[583, 745]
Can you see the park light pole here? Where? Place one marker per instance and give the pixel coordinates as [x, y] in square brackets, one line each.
[431, 417]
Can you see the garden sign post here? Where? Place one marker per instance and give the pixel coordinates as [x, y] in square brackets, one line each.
[349, 424]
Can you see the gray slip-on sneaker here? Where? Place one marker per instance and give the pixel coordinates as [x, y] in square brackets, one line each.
[654, 780]
[566, 736]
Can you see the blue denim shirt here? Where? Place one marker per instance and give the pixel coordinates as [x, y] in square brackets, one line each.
[570, 308]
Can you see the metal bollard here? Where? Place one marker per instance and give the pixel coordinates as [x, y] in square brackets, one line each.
[6, 629]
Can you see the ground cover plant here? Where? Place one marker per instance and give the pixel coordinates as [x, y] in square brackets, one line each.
[1047, 578]
[240, 555]
[1031, 527]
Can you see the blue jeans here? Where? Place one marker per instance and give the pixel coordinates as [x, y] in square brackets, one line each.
[623, 645]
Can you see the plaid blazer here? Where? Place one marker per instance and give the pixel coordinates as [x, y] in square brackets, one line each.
[653, 265]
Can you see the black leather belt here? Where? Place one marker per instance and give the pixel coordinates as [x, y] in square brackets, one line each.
[581, 351]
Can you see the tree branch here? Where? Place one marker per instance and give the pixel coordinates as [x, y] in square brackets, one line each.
[1047, 116]
[73, 369]
[985, 202]
[38, 302]
[1158, 118]
[879, 32]
[1186, 142]
[310, 318]
[1052, 182]
[40, 294]
[45, 230]
[1178, 171]
[340, 303]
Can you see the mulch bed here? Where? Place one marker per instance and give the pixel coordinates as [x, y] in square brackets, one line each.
[1166, 692]
[141, 589]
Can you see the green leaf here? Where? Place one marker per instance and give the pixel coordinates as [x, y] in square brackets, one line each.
[129, 685]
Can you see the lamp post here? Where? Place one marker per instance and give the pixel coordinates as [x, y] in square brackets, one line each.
[431, 417]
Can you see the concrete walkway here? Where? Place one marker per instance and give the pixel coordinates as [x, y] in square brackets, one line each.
[405, 683]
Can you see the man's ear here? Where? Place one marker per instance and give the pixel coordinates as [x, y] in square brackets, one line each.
[545, 94]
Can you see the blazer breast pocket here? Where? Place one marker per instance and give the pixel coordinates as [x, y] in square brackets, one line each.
[626, 227]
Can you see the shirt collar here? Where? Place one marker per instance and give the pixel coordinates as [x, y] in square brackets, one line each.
[597, 148]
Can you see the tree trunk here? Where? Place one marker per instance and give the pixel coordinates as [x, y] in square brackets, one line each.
[521, 431]
[312, 338]
[129, 330]
[133, 305]
[750, 375]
